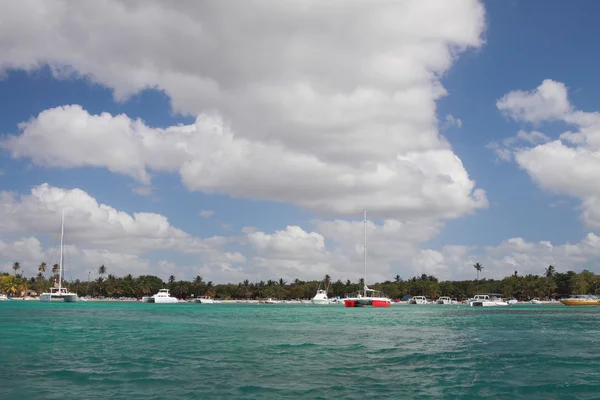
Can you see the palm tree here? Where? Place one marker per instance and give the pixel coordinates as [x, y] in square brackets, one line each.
[55, 269]
[550, 271]
[198, 282]
[42, 267]
[327, 281]
[16, 267]
[171, 278]
[478, 267]
[101, 270]
[397, 278]
[282, 282]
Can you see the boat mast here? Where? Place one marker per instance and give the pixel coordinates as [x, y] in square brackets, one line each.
[60, 264]
[365, 254]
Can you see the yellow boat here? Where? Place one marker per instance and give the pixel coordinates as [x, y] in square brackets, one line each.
[581, 300]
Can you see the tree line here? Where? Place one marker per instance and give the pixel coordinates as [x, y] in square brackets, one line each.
[549, 284]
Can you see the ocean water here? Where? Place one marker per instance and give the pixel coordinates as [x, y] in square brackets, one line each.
[93, 350]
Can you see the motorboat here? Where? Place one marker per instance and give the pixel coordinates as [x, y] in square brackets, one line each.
[271, 301]
[58, 292]
[162, 297]
[418, 300]
[320, 298]
[204, 300]
[478, 297]
[581, 300]
[3, 297]
[535, 300]
[446, 300]
[488, 301]
[512, 300]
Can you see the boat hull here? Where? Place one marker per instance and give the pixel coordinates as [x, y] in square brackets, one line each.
[361, 302]
[568, 302]
[320, 302]
[488, 303]
[67, 298]
[165, 300]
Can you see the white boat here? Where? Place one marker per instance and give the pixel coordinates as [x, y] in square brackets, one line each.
[59, 293]
[488, 301]
[162, 297]
[270, 301]
[478, 297]
[204, 300]
[320, 298]
[367, 297]
[3, 297]
[512, 300]
[418, 300]
[446, 300]
[535, 300]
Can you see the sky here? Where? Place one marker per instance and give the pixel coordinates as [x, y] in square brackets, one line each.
[244, 140]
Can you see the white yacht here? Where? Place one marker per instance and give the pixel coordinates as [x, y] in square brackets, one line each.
[59, 293]
[320, 298]
[204, 300]
[162, 297]
[418, 300]
[488, 301]
[3, 297]
[446, 300]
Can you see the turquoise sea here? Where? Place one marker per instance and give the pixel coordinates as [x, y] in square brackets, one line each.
[95, 350]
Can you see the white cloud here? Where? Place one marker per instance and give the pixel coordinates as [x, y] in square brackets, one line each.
[212, 159]
[549, 101]
[451, 120]
[568, 165]
[97, 233]
[392, 249]
[207, 213]
[330, 107]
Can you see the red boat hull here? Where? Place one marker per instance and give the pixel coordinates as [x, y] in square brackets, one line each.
[380, 303]
[373, 303]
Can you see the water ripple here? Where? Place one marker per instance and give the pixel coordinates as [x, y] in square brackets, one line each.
[118, 350]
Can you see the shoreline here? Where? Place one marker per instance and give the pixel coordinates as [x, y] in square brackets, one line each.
[95, 300]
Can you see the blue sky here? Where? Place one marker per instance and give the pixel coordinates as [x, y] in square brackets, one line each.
[515, 49]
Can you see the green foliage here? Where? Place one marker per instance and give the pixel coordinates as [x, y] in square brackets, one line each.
[549, 283]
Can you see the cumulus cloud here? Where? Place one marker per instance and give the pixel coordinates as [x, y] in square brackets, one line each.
[549, 101]
[96, 232]
[569, 164]
[331, 107]
[211, 158]
[392, 249]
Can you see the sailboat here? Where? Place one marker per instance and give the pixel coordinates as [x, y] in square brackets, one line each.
[59, 293]
[367, 297]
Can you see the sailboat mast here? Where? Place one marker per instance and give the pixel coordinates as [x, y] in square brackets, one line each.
[365, 254]
[60, 264]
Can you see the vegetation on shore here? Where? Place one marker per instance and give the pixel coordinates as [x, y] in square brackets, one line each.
[548, 284]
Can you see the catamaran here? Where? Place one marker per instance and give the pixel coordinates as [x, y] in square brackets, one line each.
[162, 297]
[367, 297]
[59, 293]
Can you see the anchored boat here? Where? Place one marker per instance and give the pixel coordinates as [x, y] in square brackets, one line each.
[367, 297]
